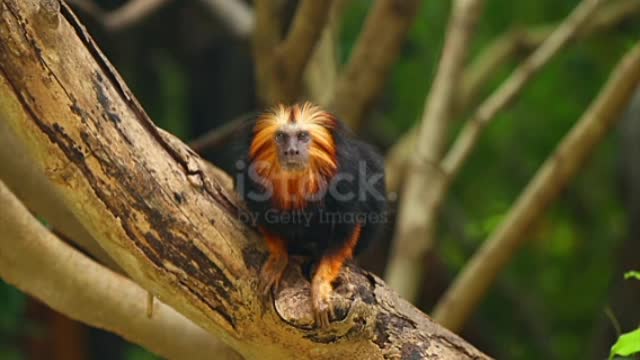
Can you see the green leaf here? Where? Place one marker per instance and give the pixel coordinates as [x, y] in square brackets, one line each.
[627, 344]
[632, 275]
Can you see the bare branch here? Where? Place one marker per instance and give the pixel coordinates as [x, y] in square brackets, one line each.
[150, 203]
[307, 26]
[131, 13]
[414, 236]
[320, 77]
[514, 84]
[375, 52]
[561, 166]
[502, 50]
[35, 261]
[519, 41]
[280, 64]
[321, 74]
[431, 143]
[235, 15]
[89, 7]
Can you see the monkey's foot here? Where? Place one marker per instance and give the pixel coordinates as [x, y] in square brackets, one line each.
[321, 301]
[271, 273]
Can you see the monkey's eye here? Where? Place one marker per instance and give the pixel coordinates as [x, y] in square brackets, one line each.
[281, 137]
[303, 136]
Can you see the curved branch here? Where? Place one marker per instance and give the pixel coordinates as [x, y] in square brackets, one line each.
[37, 262]
[480, 272]
[168, 221]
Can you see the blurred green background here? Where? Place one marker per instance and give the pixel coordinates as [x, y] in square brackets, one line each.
[553, 300]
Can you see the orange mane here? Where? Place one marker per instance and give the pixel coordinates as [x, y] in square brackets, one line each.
[292, 189]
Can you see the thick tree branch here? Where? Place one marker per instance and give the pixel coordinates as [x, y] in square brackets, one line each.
[414, 236]
[152, 205]
[373, 56]
[499, 52]
[405, 268]
[40, 264]
[480, 272]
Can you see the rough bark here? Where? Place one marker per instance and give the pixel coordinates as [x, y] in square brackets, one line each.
[168, 221]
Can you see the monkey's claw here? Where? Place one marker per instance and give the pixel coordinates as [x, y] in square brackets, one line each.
[322, 307]
[271, 274]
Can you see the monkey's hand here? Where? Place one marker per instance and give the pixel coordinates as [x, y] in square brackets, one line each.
[321, 290]
[271, 273]
[272, 270]
[328, 271]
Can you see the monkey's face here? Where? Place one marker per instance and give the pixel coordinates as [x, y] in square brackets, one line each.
[293, 141]
[297, 138]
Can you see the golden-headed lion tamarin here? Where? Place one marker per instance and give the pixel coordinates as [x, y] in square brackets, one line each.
[313, 190]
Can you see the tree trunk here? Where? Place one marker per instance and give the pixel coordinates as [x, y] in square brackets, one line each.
[168, 219]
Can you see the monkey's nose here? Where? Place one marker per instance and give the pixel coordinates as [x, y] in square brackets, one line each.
[292, 152]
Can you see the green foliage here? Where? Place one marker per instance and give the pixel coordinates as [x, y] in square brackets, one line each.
[632, 275]
[173, 112]
[627, 344]
[135, 352]
[12, 304]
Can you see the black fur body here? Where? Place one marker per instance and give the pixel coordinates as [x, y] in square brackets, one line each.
[327, 222]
